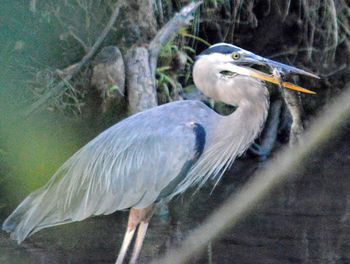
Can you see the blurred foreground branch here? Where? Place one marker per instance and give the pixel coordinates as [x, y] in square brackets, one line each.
[241, 203]
[78, 67]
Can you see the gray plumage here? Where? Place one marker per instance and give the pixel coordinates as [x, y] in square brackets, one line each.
[156, 154]
[126, 166]
[129, 164]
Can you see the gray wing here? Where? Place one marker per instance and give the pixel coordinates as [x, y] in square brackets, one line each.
[128, 165]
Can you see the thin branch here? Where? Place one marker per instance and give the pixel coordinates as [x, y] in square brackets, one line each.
[60, 87]
[160, 11]
[334, 71]
[168, 31]
[32, 6]
[79, 40]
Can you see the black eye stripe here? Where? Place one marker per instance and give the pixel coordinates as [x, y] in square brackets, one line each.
[223, 49]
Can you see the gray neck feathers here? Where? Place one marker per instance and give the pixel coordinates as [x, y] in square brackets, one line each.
[230, 138]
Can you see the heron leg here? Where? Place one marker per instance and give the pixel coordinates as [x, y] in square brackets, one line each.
[126, 242]
[137, 217]
[140, 217]
[141, 232]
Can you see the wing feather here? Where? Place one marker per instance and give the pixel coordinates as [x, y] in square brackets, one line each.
[127, 165]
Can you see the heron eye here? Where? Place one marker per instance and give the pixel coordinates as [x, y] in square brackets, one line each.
[235, 55]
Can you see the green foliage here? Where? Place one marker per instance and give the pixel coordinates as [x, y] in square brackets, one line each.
[183, 32]
[175, 66]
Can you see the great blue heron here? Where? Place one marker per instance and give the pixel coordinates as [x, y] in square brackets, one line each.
[159, 153]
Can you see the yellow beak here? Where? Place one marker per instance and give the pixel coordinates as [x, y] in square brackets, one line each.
[264, 77]
[272, 79]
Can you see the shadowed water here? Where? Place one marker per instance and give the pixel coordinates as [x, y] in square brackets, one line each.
[305, 221]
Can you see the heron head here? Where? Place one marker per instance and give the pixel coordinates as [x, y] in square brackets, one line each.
[230, 61]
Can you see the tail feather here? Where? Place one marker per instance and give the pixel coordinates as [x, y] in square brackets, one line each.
[31, 216]
[64, 199]
[41, 209]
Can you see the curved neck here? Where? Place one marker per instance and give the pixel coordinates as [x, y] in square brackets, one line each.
[231, 136]
[247, 119]
[234, 133]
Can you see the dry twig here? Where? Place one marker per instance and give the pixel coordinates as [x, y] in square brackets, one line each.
[168, 31]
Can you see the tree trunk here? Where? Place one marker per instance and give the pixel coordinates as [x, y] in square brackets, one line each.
[141, 89]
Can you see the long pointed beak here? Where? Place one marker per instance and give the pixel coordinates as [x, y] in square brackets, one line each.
[275, 80]
[283, 68]
[242, 70]
[249, 57]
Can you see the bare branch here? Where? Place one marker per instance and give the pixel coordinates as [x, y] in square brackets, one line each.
[160, 11]
[32, 6]
[59, 88]
[79, 40]
[142, 92]
[168, 31]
